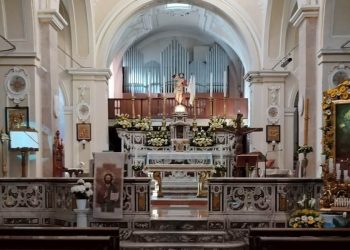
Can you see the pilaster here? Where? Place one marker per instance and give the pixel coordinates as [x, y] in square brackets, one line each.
[90, 105]
[306, 19]
[267, 108]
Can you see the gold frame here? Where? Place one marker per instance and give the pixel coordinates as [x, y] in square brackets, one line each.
[84, 131]
[333, 187]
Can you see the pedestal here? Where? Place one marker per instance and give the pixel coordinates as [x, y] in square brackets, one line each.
[81, 217]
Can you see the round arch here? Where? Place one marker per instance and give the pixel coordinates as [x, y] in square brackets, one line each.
[111, 40]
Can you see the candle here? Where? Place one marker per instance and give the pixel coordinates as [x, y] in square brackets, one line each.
[132, 89]
[164, 86]
[211, 84]
[330, 165]
[225, 83]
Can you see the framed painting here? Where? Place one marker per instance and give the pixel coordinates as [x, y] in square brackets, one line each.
[16, 118]
[341, 118]
[273, 133]
[108, 185]
[84, 131]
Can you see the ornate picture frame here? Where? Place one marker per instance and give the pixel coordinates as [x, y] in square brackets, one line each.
[16, 117]
[341, 119]
[273, 133]
[84, 131]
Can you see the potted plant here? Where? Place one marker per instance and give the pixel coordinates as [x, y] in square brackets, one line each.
[202, 139]
[220, 170]
[82, 191]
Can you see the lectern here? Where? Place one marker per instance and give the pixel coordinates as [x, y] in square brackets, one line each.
[247, 162]
[24, 140]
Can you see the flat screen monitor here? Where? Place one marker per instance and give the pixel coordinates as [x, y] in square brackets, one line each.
[22, 139]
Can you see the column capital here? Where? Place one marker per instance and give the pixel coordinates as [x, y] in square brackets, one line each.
[90, 73]
[266, 76]
[53, 17]
[305, 11]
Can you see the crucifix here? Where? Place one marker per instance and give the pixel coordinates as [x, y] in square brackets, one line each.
[239, 132]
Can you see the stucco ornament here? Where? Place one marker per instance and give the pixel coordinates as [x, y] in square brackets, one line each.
[17, 84]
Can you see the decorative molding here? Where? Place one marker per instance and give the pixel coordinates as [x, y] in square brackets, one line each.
[17, 84]
[273, 94]
[87, 73]
[303, 12]
[266, 76]
[339, 74]
[52, 17]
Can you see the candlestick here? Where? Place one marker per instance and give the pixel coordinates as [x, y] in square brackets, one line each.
[211, 84]
[225, 83]
[306, 121]
[149, 84]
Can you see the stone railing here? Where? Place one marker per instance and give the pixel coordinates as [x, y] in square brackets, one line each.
[48, 201]
[257, 202]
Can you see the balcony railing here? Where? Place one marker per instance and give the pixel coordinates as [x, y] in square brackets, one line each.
[204, 106]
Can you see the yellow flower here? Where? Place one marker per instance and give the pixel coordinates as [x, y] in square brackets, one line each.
[342, 89]
[345, 96]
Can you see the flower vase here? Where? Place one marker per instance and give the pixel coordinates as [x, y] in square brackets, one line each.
[81, 203]
[303, 166]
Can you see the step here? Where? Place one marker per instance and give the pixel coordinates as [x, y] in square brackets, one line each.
[179, 200]
[236, 245]
[179, 236]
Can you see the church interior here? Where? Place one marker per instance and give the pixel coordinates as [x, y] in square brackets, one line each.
[168, 124]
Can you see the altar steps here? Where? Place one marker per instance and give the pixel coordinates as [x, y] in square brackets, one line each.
[181, 240]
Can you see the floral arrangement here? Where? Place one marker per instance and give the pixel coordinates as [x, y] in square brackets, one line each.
[202, 139]
[137, 167]
[217, 122]
[157, 139]
[143, 124]
[305, 149]
[83, 190]
[306, 216]
[123, 121]
[235, 123]
[219, 169]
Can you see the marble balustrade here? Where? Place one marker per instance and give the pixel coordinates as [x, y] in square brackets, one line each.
[234, 204]
[258, 202]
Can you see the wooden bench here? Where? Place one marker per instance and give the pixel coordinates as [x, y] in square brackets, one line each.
[298, 238]
[59, 238]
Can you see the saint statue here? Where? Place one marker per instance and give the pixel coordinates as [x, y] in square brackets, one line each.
[179, 86]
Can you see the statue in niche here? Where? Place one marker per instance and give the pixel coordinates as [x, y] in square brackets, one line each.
[179, 86]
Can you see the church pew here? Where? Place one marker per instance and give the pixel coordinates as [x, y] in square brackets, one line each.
[295, 233]
[57, 236]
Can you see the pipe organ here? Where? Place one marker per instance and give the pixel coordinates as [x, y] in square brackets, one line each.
[150, 77]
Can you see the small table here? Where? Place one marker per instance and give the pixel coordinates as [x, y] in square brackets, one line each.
[204, 171]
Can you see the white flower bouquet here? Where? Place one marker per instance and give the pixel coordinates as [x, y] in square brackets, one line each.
[143, 124]
[123, 121]
[157, 139]
[202, 139]
[217, 122]
[83, 190]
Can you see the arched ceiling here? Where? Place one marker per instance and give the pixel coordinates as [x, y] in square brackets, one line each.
[203, 22]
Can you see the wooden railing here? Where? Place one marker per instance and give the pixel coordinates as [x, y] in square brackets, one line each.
[204, 106]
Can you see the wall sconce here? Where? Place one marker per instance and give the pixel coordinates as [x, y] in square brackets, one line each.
[286, 61]
[83, 142]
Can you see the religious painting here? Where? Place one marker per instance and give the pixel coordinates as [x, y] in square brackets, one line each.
[342, 130]
[273, 133]
[108, 185]
[16, 118]
[84, 131]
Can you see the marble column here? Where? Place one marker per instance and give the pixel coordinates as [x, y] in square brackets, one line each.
[267, 108]
[90, 105]
[50, 22]
[305, 19]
